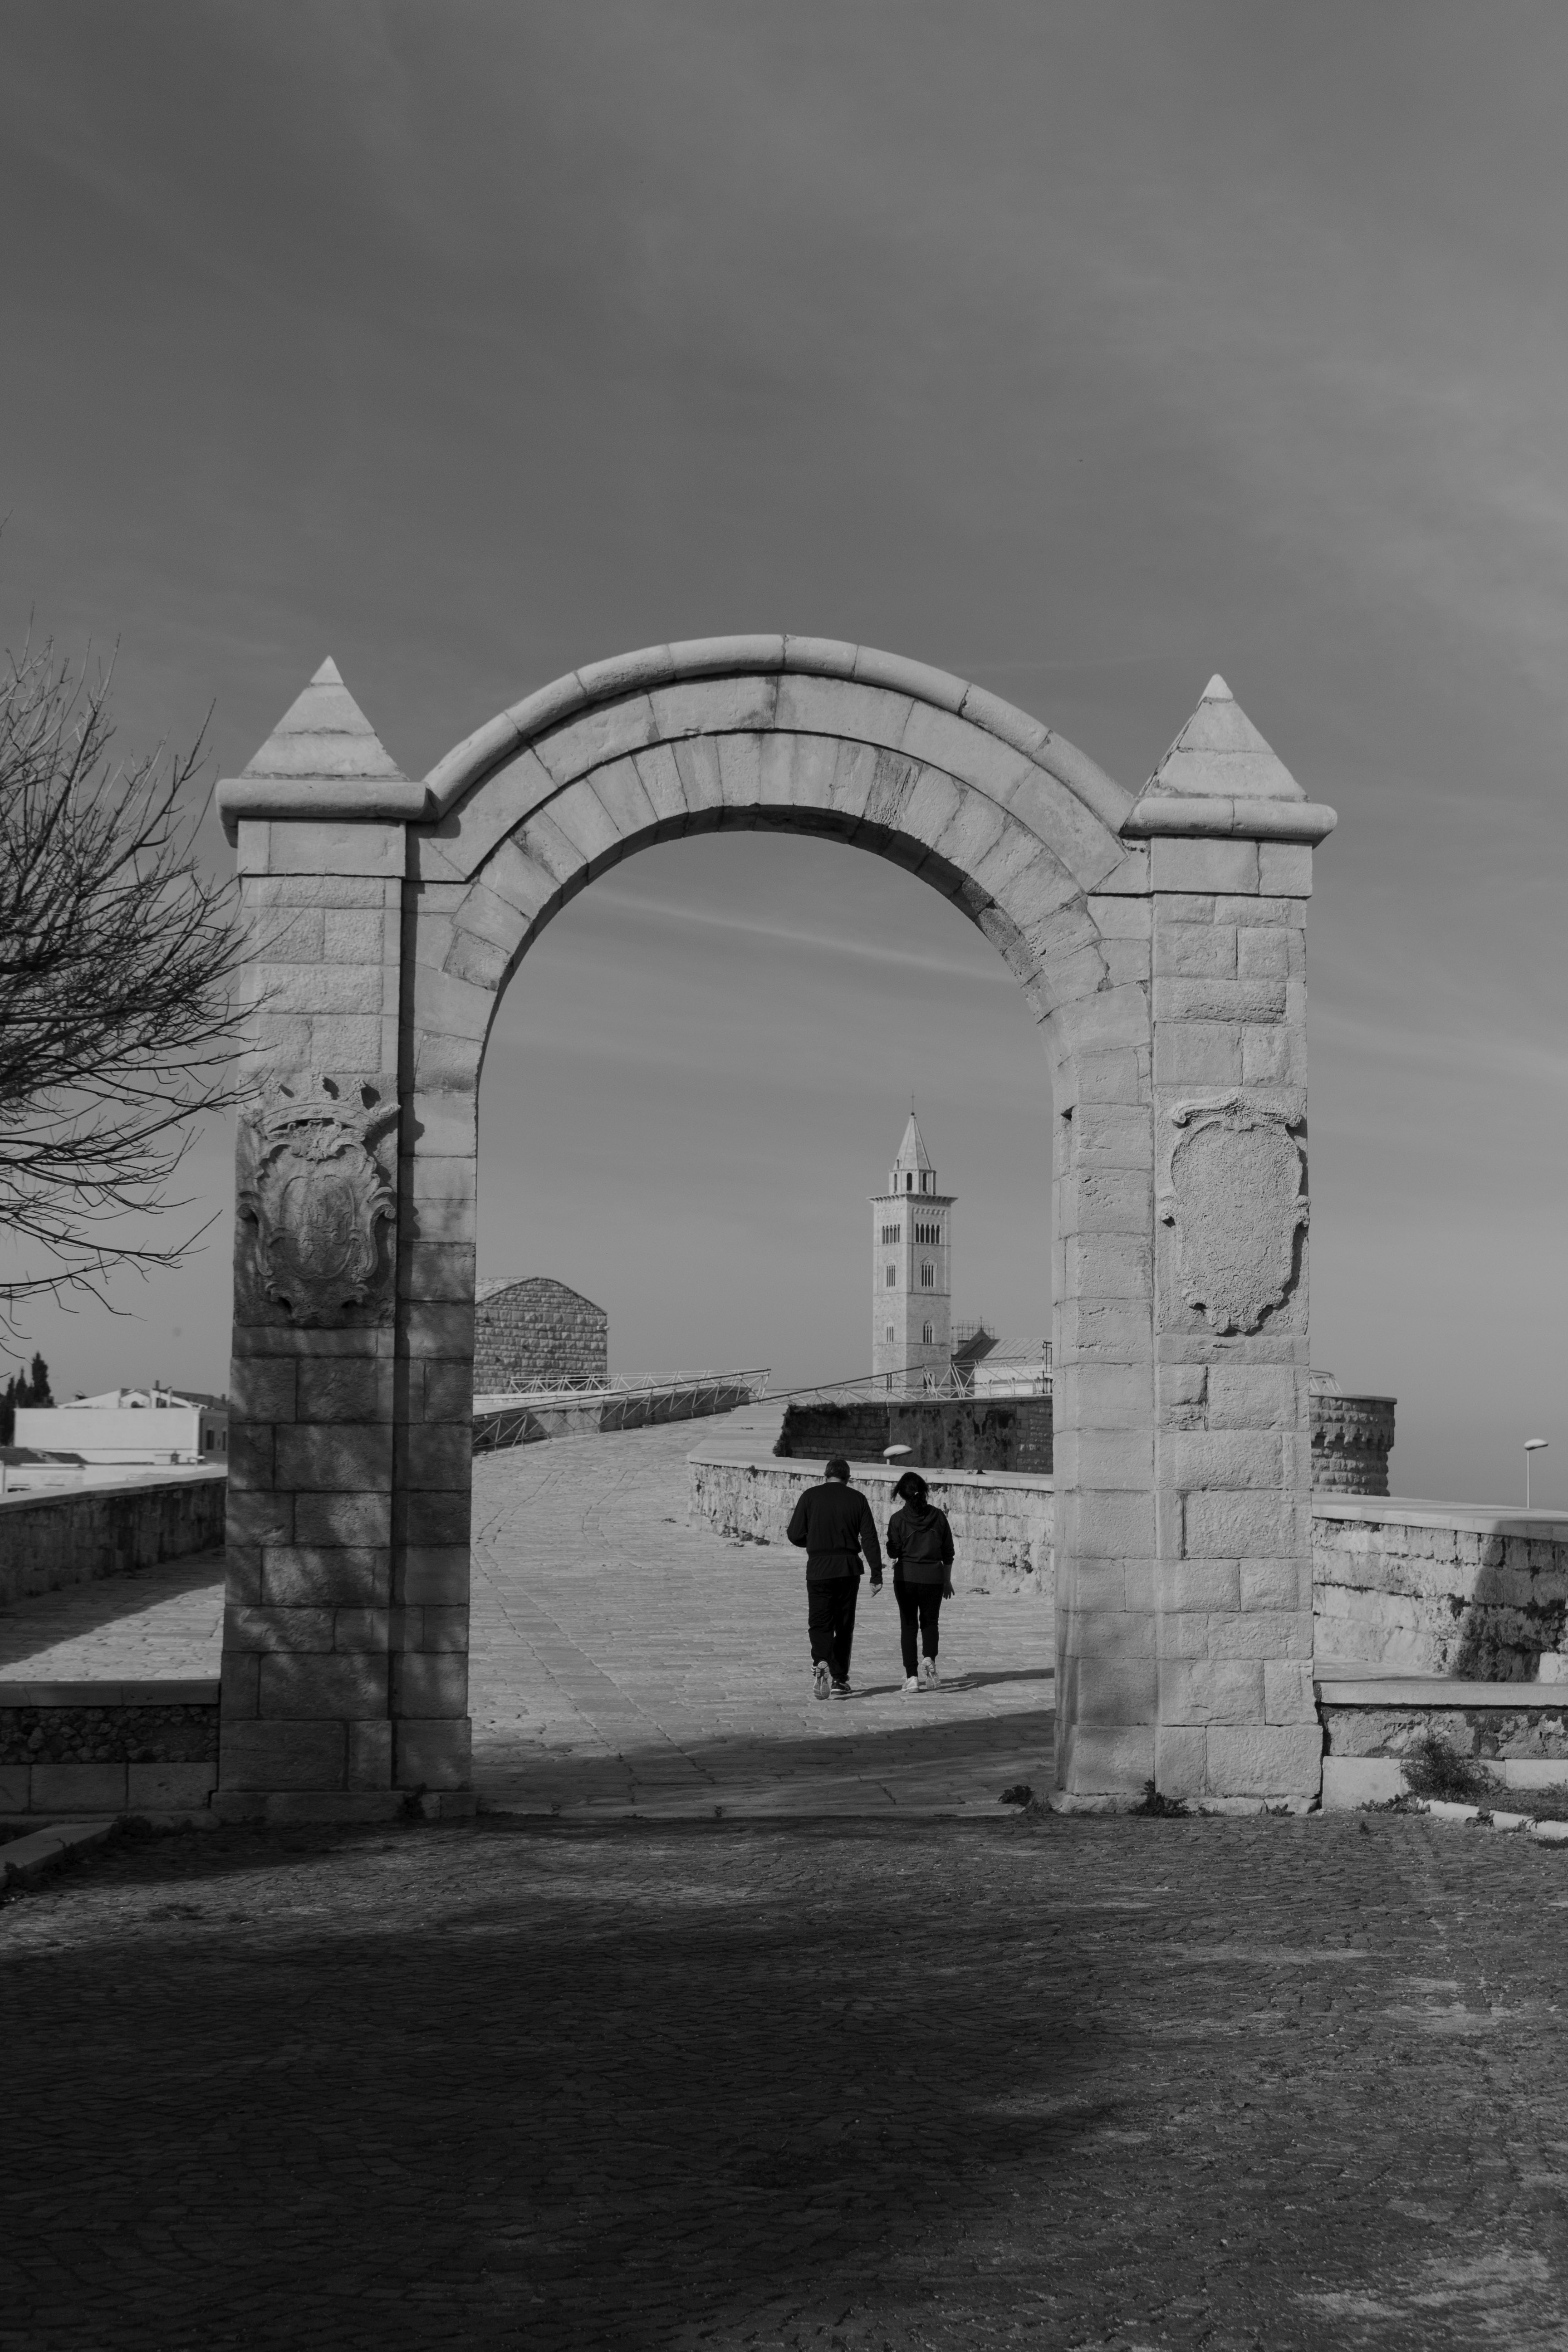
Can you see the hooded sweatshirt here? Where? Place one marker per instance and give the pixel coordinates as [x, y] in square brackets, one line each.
[920, 1544]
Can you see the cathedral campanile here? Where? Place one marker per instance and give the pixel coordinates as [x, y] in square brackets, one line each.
[911, 1268]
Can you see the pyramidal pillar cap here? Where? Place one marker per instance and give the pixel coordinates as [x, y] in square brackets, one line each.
[322, 760]
[1221, 780]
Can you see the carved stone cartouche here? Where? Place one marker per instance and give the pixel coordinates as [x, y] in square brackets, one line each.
[317, 1197]
[1237, 1204]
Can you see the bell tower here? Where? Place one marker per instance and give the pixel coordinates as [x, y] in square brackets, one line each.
[911, 1269]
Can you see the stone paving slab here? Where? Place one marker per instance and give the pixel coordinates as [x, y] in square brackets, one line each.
[626, 1657]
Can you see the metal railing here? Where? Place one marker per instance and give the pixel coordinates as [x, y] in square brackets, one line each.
[515, 1416]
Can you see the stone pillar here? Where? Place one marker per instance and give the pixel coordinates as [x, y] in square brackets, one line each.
[344, 1685]
[1230, 836]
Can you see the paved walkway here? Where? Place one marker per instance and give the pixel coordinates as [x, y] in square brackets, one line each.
[851, 2087]
[627, 1659]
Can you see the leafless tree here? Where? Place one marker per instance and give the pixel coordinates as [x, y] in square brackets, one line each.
[118, 1018]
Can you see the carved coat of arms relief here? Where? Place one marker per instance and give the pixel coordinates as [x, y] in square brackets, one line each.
[316, 1198]
[1236, 1203]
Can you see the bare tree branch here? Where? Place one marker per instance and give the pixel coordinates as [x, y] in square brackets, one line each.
[118, 1020]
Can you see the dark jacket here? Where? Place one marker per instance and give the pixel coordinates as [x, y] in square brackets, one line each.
[833, 1526]
[920, 1544]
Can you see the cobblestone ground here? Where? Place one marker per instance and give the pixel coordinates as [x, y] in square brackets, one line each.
[873, 2084]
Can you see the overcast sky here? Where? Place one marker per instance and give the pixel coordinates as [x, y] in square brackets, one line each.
[1081, 350]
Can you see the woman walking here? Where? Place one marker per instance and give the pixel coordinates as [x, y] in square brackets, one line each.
[920, 1545]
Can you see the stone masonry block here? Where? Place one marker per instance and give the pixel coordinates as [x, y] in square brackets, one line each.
[1275, 1584]
[1193, 1458]
[429, 1683]
[1109, 1633]
[1288, 1695]
[278, 1629]
[1117, 1689]
[337, 1456]
[1194, 950]
[435, 1455]
[345, 1687]
[440, 1518]
[1200, 1584]
[447, 1391]
[1115, 1525]
[242, 1575]
[1181, 1756]
[261, 1389]
[438, 1271]
[1105, 1760]
[1226, 1524]
[355, 935]
[1273, 1057]
[251, 1457]
[1179, 866]
[433, 1577]
[1114, 1396]
[1253, 1396]
[334, 1388]
[1112, 1201]
[433, 1755]
[68, 1788]
[1115, 1457]
[1280, 1634]
[1211, 1690]
[358, 1520]
[370, 1755]
[169, 1788]
[363, 1630]
[274, 1755]
[239, 1685]
[1271, 952]
[445, 1630]
[1285, 869]
[1197, 1053]
[1112, 1135]
[1219, 999]
[300, 1576]
[1260, 1760]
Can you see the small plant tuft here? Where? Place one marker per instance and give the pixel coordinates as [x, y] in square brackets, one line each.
[1157, 1808]
[1020, 1793]
[1435, 1769]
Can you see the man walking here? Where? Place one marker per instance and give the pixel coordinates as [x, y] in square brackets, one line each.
[832, 1524]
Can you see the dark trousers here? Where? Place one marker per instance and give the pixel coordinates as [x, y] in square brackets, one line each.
[831, 1621]
[919, 1606]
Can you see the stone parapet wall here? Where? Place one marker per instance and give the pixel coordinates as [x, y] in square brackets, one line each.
[535, 1331]
[108, 1748]
[1001, 1526]
[72, 1538]
[1435, 1589]
[942, 1433]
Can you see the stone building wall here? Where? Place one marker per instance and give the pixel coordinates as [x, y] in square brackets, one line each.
[533, 1332]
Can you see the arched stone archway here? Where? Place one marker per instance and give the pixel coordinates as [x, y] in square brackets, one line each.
[1159, 942]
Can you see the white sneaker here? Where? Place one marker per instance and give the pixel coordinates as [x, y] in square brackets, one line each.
[929, 1675]
[821, 1680]
[911, 1682]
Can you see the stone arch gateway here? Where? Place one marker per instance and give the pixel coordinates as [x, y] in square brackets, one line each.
[1158, 940]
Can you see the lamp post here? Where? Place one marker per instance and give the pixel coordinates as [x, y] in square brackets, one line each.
[1531, 1445]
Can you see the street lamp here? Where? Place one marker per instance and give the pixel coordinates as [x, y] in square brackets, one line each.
[1531, 1445]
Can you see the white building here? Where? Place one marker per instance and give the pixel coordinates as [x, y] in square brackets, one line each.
[911, 1268]
[128, 1425]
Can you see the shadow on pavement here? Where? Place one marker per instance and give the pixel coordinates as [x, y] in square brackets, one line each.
[913, 1752]
[43, 1620]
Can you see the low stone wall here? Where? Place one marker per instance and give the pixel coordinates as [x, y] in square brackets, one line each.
[68, 1748]
[1001, 1524]
[1435, 1589]
[942, 1433]
[1369, 1729]
[85, 1532]
[1429, 1588]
